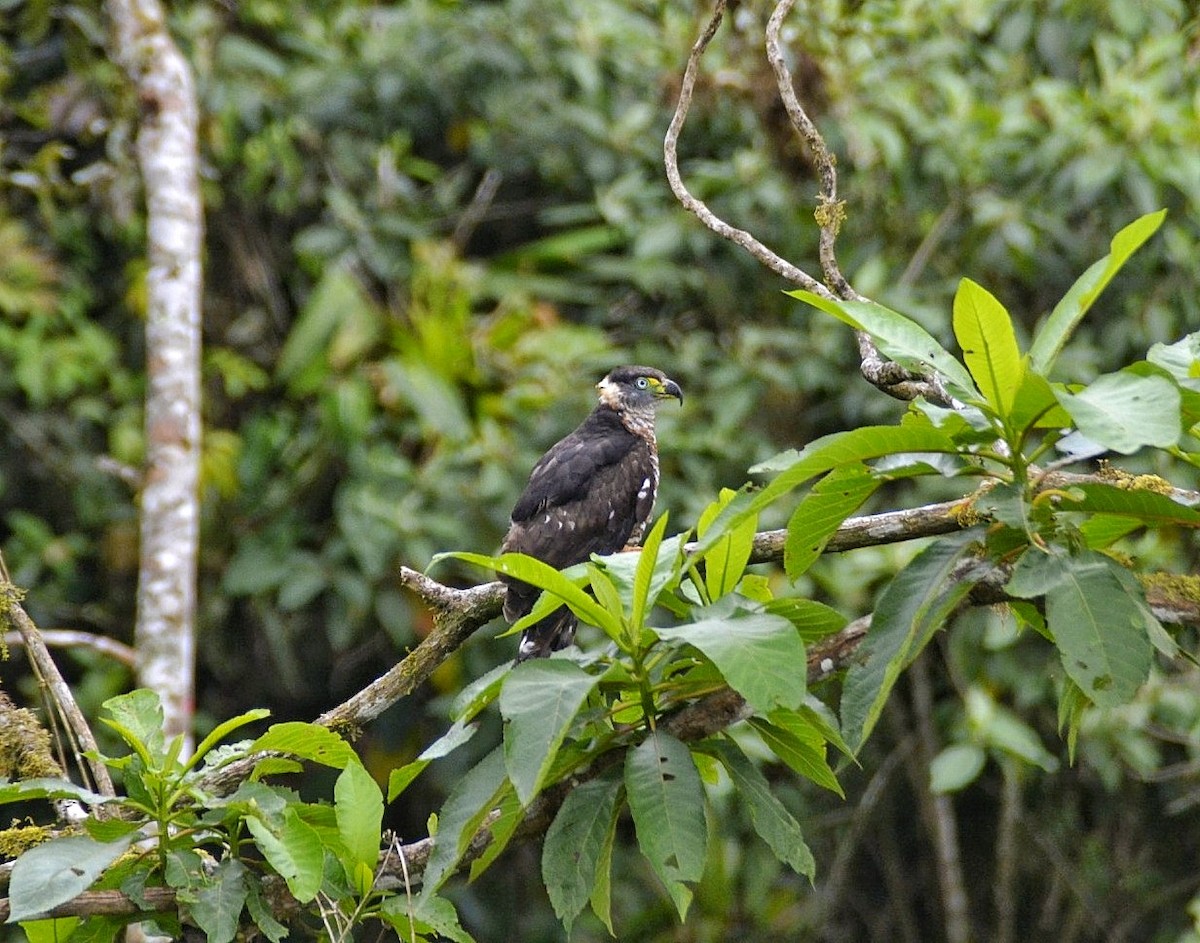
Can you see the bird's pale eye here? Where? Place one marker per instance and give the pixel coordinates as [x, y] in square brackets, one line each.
[641, 383]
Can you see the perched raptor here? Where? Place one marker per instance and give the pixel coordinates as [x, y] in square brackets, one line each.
[591, 493]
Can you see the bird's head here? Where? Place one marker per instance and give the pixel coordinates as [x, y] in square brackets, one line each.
[637, 388]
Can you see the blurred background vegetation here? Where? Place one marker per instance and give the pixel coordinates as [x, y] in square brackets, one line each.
[433, 225]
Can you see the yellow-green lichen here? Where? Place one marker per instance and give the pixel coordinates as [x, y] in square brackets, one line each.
[1126, 481]
[18, 839]
[1173, 590]
[831, 213]
[24, 744]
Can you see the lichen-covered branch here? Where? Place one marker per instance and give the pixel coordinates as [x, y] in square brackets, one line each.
[79, 734]
[168, 156]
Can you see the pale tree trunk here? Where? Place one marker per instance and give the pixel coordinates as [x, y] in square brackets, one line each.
[167, 154]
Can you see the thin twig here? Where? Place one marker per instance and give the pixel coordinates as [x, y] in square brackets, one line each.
[698, 207]
[73, 638]
[939, 808]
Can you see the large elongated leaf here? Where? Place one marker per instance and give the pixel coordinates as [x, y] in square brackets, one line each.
[1099, 622]
[816, 458]
[219, 902]
[914, 606]
[760, 655]
[546, 578]
[833, 499]
[643, 577]
[48, 788]
[308, 742]
[623, 569]
[1124, 411]
[223, 730]
[1082, 295]
[725, 563]
[771, 819]
[799, 745]
[358, 805]
[57, 871]
[1148, 507]
[989, 345]
[471, 799]
[293, 848]
[899, 338]
[575, 843]
[539, 700]
[667, 802]
[458, 734]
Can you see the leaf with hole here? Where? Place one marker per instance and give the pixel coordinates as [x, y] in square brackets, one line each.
[55, 872]
[666, 799]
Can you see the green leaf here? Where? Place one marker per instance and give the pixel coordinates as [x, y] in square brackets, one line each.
[293, 848]
[1181, 359]
[432, 917]
[799, 746]
[832, 499]
[539, 700]
[1082, 295]
[771, 819]
[623, 568]
[138, 718]
[813, 620]
[512, 813]
[48, 788]
[956, 767]
[222, 730]
[575, 843]
[471, 799]
[478, 694]
[51, 930]
[546, 578]
[601, 896]
[898, 338]
[760, 655]
[643, 576]
[458, 734]
[985, 333]
[358, 805]
[1034, 406]
[1145, 506]
[219, 902]
[307, 742]
[666, 799]
[1002, 730]
[261, 914]
[1100, 630]
[58, 871]
[915, 605]
[1124, 411]
[725, 563]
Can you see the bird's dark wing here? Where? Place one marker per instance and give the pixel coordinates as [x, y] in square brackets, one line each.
[564, 474]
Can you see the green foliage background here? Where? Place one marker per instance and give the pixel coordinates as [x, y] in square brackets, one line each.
[388, 351]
